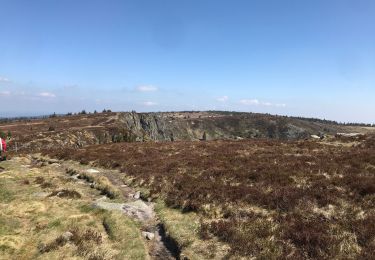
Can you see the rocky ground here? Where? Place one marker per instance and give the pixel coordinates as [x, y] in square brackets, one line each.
[50, 210]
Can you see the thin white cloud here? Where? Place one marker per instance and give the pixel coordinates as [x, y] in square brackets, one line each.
[4, 79]
[5, 93]
[222, 99]
[149, 103]
[256, 102]
[46, 95]
[267, 104]
[249, 102]
[147, 88]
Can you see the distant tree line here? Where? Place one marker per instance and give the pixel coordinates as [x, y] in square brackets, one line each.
[83, 112]
[21, 118]
[30, 118]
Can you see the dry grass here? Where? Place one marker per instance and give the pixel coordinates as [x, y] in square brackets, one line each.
[185, 229]
[98, 182]
[57, 222]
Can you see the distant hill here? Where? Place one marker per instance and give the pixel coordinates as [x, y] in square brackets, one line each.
[87, 129]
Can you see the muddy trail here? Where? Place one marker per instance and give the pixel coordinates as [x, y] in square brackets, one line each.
[128, 201]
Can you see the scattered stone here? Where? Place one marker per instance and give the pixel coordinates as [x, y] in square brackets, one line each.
[102, 199]
[349, 134]
[315, 137]
[92, 171]
[109, 205]
[148, 235]
[75, 176]
[139, 210]
[55, 165]
[67, 236]
[137, 195]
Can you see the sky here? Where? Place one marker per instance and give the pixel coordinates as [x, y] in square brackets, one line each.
[288, 57]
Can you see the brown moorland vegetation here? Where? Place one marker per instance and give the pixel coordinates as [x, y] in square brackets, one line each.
[77, 131]
[268, 199]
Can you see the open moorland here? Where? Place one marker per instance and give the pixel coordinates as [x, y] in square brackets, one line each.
[264, 199]
[187, 185]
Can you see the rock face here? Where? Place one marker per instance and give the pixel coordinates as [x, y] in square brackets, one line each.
[209, 125]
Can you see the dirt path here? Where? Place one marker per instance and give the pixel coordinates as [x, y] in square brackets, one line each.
[129, 203]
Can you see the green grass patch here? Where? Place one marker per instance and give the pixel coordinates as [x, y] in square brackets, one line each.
[85, 208]
[6, 249]
[124, 232]
[54, 223]
[6, 195]
[181, 226]
[184, 229]
[8, 225]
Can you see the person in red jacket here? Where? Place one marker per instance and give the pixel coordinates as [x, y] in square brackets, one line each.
[3, 149]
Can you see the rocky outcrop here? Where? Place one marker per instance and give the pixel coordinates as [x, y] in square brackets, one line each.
[167, 127]
[83, 130]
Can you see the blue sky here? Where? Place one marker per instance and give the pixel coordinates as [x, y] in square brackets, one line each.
[304, 58]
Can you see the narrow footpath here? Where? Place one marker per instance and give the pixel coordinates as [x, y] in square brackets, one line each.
[128, 202]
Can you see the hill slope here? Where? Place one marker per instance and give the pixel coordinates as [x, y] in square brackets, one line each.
[82, 130]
